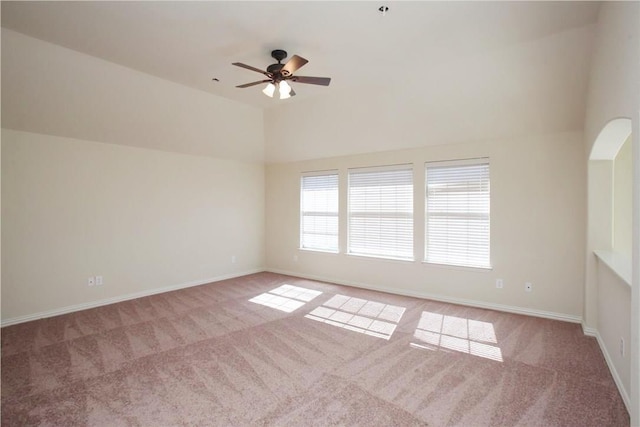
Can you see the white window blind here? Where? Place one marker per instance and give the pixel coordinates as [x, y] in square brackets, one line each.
[457, 213]
[381, 212]
[319, 212]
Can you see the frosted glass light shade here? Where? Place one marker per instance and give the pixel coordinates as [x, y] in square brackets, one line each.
[269, 90]
[285, 90]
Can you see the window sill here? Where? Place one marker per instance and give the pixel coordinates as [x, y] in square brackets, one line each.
[319, 251]
[458, 267]
[381, 258]
[618, 263]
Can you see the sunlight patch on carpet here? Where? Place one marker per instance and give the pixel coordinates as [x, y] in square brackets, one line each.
[287, 298]
[359, 315]
[436, 331]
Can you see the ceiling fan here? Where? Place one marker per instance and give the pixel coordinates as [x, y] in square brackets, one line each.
[278, 75]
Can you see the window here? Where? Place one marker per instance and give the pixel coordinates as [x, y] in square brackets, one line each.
[457, 213]
[319, 212]
[381, 212]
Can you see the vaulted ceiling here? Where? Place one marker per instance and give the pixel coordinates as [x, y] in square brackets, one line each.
[529, 59]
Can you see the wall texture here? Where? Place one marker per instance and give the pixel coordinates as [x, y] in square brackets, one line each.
[142, 219]
[537, 226]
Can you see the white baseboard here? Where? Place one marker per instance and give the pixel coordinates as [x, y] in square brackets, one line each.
[589, 331]
[107, 301]
[435, 297]
[607, 357]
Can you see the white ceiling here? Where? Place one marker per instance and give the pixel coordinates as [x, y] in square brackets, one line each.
[192, 42]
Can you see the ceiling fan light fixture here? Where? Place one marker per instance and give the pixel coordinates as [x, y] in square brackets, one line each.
[285, 90]
[269, 90]
[278, 74]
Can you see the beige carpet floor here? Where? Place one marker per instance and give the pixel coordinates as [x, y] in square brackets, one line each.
[268, 349]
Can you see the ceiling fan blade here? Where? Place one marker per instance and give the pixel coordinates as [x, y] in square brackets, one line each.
[293, 64]
[322, 81]
[249, 67]
[253, 83]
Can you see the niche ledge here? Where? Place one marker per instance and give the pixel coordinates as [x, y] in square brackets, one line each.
[618, 263]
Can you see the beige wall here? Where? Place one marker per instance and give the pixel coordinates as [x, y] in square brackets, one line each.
[142, 219]
[622, 195]
[537, 226]
[600, 212]
[613, 93]
[614, 323]
[613, 82]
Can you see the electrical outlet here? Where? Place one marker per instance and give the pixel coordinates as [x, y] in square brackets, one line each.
[499, 284]
[99, 281]
[233, 259]
[295, 258]
[91, 281]
[622, 347]
[528, 287]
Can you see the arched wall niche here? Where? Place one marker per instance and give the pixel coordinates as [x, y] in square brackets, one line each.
[601, 186]
[610, 139]
[608, 269]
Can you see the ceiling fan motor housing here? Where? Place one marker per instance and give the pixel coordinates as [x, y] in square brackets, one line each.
[276, 69]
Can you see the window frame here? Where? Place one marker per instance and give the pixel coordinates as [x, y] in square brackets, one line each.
[301, 243]
[458, 163]
[387, 168]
